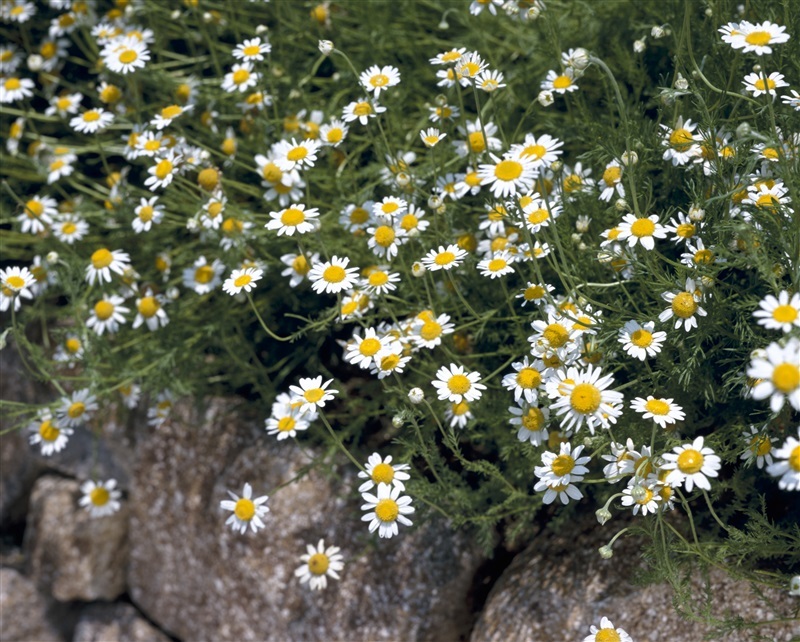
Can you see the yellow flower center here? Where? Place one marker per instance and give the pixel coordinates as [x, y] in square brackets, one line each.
[794, 458]
[495, 265]
[556, 335]
[101, 258]
[297, 153]
[477, 143]
[99, 496]
[657, 407]
[379, 80]
[508, 170]
[643, 227]
[562, 82]
[758, 38]
[148, 307]
[648, 495]
[252, 50]
[612, 175]
[536, 151]
[378, 278]
[459, 384]
[214, 209]
[763, 84]
[242, 280]
[444, 258]
[334, 274]
[110, 94]
[784, 314]
[57, 165]
[286, 424]
[767, 201]
[387, 510]
[430, 330]
[459, 409]
[369, 346]
[786, 377]
[128, 56]
[146, 213]
[690, 461]
[681, 139]
[529, 378]
[163, 169]
[293, 217]
[760, 445]
[533, 419]
[103, 310]
[684, 305]
[384, 236]
[47, 431]
[641, 338]
[12, 84]
[314, 395]
[390, 362]
[240, 76]
[362, 108]
[685, 230]
[703, 256]
[171, 112]
[563, 464]
[15, 282]
[244, 509]
[76, 409]
[335, 135]
[585, 398]
[300, 265]
[538, 216]
[318, 564]
[572, 182]
[72, 345]
[472, 179]
[91, 116]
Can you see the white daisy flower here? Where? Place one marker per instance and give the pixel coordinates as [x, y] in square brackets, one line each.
[77, 408]
[758, 447]
[587, 400]
[295, 218]
[389, 208]
[490, 80]
[662, 411]
[777, 375]
[787, 464]
[203, 277]
[242, 279]
[759, 84]
[294, 155]
[642, 495]
[767, 197]
[312, 393]
[125, 55]
[100, 498]
[298, 267]
[536, 293]
[362, 111]
[376, 79]
[381, 471]
[541, 151]
[681, 142]
[389, 361]
[319, 564]
[553, 336]
[757, 38]
[453, 383]
[566, 467]
[252, 49]
[641, 230]
[64, 105]
[13, 89]
[247, 511]
[428, 329]
[445, 258]
[38, 213]
[611, 182]
[532, 423]
[240, 78]
[607, 633]
[458, 414]
[793, 100]
[333, 276]
[498, 265]
[91, 121]
[103, 262]
[556, 490]
[386, 509]
[640, 341]
[148, 213]
[509, 176]
[449, 57]
[782, 313]
[526, 380]
[691, 465]
[431, 136]
[285, 420]
[168, 114]
[361, 351]
[476, 143]
[561, 83]
[49, 434]
[384, 240]
[683, 306]
[150, 311]
[162, 173]
[107, 315]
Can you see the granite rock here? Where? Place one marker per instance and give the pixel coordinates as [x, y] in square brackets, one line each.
[118, 622]
[23, 610]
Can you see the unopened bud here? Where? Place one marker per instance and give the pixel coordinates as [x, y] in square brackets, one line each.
[397, 421]
[696, 213]
[657, 32]
[418, 269]
[580, 59]
[605, 552]
[35, 62]
[629, 158]
[545, 98]
[402, 179]
[260, 29]
[416, 396]
[326, 47]
[435, 201]
[52, 257]
[173, 293]
[621, 205]
[681, 84]
[603, 515]
[743, 130]
[639, 46]
[638, 493]
[794, 586]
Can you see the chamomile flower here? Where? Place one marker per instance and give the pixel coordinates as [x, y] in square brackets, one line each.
[77, 408]
[150, 311]
[587, 400]
[162, 173]
[611, 182]
[100, 498]
[445, 258]
[507, 177]
[69, 351]
[242, 279]
[449, 57]
[103, 262]
[69, 228]
[684, 306]
[757, 38]
[91, 121]
[477, 6]
[681, 142]
[541, 151]
[362, 111]
[453, 383]
[782, 313]
[246, 510]
[500, 264]
[13, 89]
[107, 315]
[49, 434]
[490, 80]
[443, 113]
[380, 280]
[759, 84]
[333, 276]
[691, 465]
[607, 633]
[526, 380]
[787, 464]
[361, 351]
[295, 218]
[777, 375]
[298, 267]
[389, 361]
[389, 208]
[538, 212]
[165, 117]
[312, 393]
[381, 471]
[548, 483]
[38, 213]
[240, 78]
[285, 420]
[431, 136]
[476, 143]
[458, 414]
[767, 197]
[642, 230]
[560, 83]
[683, 228]
[640, 341]
[566, 467]
[386, 509]
[252, 50]
[203, 277]
[428, 329]
[148, 213]
[125, 55]
[793, 100]
[384, 240]
[555, 335]
[535, 293]
[531, 422]
[377, 79]
[758, 447]
[662, 411]
[294, 155]
[319, 564]
[64, 105]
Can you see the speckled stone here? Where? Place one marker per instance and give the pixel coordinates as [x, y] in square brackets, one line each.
[23, 610]
[115, 623]
[201, 581]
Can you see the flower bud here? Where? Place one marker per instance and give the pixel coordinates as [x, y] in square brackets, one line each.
[681, 84]
[397, 421]
[756, 69]
[605, 552]
[326, 47]
[696, 213]
[621, 205]
[556, 165]
[709, 12]
[418, 269]
[435, 201]
[402, 179]
[416, 396]
[639, 46]
[794, 586]
[743, 130]
[545, 98]
[657, 32]
[175, 14]
[52, 257]
[173, 293]
[638, 493]
[35, 62]
[260, 29]
[580, 59]
[603, 515]
[629, 158]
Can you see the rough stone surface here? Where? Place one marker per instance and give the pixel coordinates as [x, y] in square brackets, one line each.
[115, 623]
[559, 586]
[70, 553]
[23, 611]
[202, 581]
